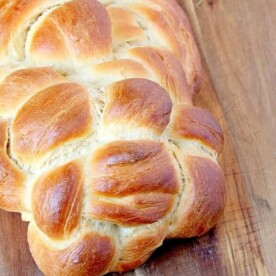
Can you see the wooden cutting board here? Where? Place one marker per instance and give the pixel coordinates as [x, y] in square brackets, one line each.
[237, 40]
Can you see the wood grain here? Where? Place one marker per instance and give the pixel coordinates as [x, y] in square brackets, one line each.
[237, 40]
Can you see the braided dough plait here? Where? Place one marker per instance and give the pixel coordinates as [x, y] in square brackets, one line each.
[101, 148]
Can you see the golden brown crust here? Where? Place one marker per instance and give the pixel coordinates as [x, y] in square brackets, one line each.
[137, 103]
[13, 14]
[143, 166]
[12, 180]
[192, 122]
[124, 26]
[203, 198]
[91, 254]
[51, 195]
[180, 26]
[12, 184]
[119, 69]
[79, 40]
[3, 134]
[54, 116]
[136, 210]
[22, 84]
[138, 245]
[109, 158]
[78, 31]
[141, 173]
[161, 29]
[167, 70]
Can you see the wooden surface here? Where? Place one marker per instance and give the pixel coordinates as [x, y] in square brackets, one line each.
[237, 39]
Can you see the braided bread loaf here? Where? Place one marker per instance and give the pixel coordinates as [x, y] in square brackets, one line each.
[101, 149]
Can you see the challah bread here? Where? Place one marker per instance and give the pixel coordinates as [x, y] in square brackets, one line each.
[101, 148]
